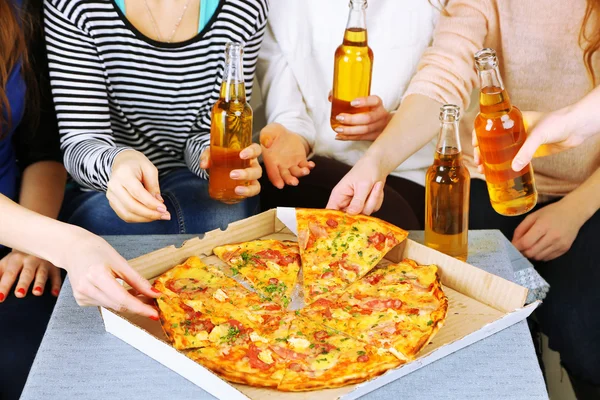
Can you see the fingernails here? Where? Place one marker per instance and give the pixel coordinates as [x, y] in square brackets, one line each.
[21, 291]
[159, 197]
[166, 217]
[240, 191]
[518, 165]
[37, 289]
[55, 292]
[234, 175]
[355, 103]
[153, 318]
[340, 117]
[155, 290]
[161, 209]
[339, 129]
[1, 297]
[244, 155]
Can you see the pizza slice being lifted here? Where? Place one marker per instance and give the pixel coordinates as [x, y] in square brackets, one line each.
[337, 249]
[271, 266]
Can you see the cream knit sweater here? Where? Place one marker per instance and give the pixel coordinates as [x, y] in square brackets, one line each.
[541, 64]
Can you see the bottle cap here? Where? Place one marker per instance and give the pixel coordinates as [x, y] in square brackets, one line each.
[449, 113]
[486, 59]
[234, 49]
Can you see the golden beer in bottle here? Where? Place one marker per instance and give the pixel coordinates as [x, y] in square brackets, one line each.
[231, 129]
[501, 133]
[447, 190]
[353, 64]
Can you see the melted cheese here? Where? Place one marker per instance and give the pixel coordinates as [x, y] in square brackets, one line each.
[299, 343]
[197, 305]
[202, 336]
[218, 332]
[266, 356]
[221, 296]
[324, 362]
[255, 337]
[254, 317]
[274, 267]
[398, 354]
[340, 314]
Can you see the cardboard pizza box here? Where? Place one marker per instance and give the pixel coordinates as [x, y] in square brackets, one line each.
[480, 304]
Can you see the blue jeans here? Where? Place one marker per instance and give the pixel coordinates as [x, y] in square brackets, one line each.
[186, 198]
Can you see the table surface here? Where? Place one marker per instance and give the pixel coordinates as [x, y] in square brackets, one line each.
[78, 359]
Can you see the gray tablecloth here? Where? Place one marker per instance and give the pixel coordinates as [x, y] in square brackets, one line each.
[79, 360]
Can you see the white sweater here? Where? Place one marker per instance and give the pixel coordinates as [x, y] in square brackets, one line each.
[295, 68]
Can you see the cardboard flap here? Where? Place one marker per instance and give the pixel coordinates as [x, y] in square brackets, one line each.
[287, 216]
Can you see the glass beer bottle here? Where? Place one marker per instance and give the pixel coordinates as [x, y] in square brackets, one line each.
[501, 133]
[447, 188]
[353, 64]
[231, 129]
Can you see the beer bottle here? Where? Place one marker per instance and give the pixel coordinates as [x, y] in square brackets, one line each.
[353, 64]
[501, 133]
[447, 186]
[231, 129]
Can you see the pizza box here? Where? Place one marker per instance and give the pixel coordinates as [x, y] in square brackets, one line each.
[480, 305]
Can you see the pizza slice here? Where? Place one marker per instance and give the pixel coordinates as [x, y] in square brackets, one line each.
[321, 358]
[243, 356]
[271, 266]
[337, 249]
[398, 307]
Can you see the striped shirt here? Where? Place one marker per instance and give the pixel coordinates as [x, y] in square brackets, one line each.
[116, 89]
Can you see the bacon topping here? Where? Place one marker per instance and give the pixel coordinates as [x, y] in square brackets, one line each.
[377, 240]
[273, 281]
[228, 255]
[287, 354]
[295, 367]
[390, 240]
[363, 358]
[271, 307]
[332, 223]
[317, 230]
[381, 305]
[236, 324]
[327, 275]
[321, 335]
[374, 279]
[255, 362]
[186, 286]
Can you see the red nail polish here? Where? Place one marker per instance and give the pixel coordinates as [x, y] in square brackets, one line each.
[155, 290]
[1, 296]
[21, 291]
[153, 318]
[55, 292]
[37, 289]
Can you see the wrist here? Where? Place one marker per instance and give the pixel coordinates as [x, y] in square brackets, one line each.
[579, 208]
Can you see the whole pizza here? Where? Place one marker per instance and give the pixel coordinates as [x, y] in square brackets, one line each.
[360, 319]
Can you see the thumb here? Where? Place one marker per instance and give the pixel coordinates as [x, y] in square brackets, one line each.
[267, 139]
[205, 159]
[330, 96]
[525, 154]
[361, 193]
[134, 279]
[150, 178]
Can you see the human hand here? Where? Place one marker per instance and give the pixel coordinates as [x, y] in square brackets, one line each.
[284, 155]
[28, 269]
[251, 174]
[366, 125]
[133, 190]
[93, 266]
[549, 232]
[360, 191]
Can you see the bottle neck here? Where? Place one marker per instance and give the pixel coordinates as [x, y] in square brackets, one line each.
[356, 28]
[233, 87]
[449, 141]
[493, 97]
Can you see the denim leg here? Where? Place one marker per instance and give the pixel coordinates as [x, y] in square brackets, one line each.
[193, 208]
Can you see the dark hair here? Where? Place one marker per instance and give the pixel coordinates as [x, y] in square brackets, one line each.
[589, 36]
[15, 29]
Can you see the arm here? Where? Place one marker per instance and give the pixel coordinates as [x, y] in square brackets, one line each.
[92, 264]
[81, 99]
[445, 75]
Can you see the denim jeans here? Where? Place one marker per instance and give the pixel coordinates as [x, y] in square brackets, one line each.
[186, 198]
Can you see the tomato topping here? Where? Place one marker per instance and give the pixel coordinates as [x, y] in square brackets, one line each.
[188, 286]
[198, 326]
[374, 279]
[381, 305]
[360, 296]
[295, 367]
[255, 362]
[378, 240]
[332, 223]
[323, 302]
[321, 335]
[324, 348]
[288, 354]
[310, 242]
[236, 324]
[412, 311]
[391, 239]
[363, 358]
[273, 281]
[327, 275]
[271, 307]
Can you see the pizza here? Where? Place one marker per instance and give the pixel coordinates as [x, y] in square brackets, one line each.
[398, 307]
[376, 318]
[271, 266]
[337, 249]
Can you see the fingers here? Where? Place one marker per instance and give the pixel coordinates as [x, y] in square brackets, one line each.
[252, 151]
[306, 164]
[150, 197]
[131, 210]
[29, 267]
[114, 296]
[367, 137]
[137, 190]
[274, 174]
[369, 101]
[134, 279]
[205, 159]
[11, 267]
[538, 248]
[251, 190]
[287, 177]
[299, 172]
[526, 234]
[525, 154]
[362, 191]
[41, 277]
[254, 172]
[375, 199]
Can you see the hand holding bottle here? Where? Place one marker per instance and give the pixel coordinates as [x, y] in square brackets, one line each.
[366, 125]
[284, 155]
[251, 174]
[133, 189]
